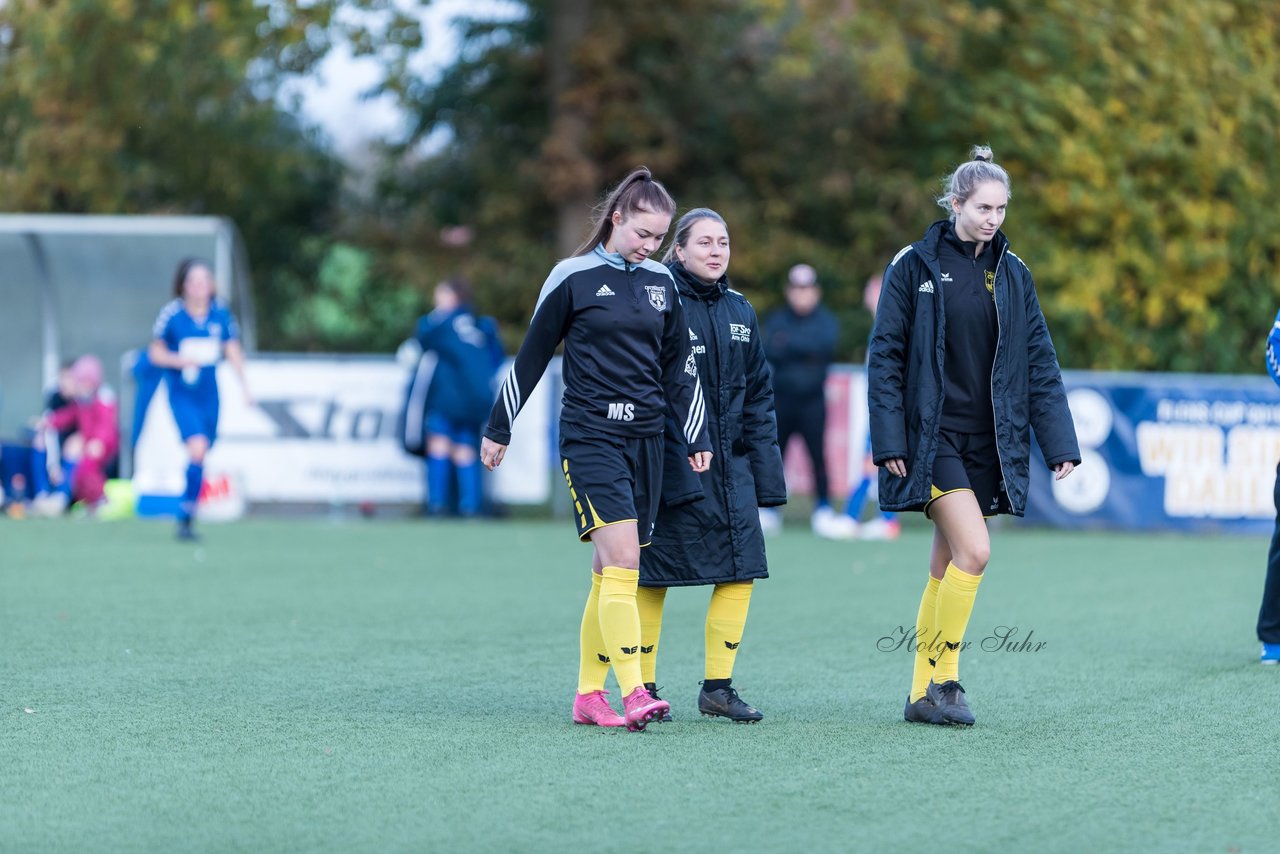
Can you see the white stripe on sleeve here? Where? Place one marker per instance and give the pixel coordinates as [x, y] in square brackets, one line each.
[511, 396]
[697, 414]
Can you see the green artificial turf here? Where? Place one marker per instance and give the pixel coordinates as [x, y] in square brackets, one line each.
[405, 686]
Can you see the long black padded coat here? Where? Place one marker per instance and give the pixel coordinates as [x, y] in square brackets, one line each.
[708, 525]
[905, 375]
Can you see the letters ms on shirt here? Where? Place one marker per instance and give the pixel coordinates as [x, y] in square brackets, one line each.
[622, 411]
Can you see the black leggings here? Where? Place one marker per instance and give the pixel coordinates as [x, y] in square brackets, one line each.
[1269, 615]
[808, 417]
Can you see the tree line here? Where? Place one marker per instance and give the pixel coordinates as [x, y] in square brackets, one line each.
[1140, 138]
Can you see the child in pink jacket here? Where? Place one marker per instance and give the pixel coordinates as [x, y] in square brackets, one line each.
[92, 414]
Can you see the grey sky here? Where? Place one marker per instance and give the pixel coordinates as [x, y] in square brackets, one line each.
[332, 97]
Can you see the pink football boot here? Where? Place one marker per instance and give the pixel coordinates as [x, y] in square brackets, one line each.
[641, 708]
[593, 708]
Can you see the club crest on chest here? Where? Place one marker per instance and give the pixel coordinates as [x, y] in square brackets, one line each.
[657, 296]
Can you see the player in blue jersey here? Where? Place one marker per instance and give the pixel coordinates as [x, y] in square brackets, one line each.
[1269, 613]
[462, 353]
[192, 334]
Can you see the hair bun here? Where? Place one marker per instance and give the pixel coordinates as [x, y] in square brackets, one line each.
[982, 158]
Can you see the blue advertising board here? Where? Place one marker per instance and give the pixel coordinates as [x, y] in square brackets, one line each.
[1193, 453]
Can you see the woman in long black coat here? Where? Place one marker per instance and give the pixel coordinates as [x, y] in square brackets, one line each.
[961, 369]
[708, 526]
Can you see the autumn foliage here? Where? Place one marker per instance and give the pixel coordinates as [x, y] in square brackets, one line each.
[1141, 138]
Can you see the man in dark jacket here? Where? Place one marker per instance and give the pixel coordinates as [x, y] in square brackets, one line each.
[800, 342]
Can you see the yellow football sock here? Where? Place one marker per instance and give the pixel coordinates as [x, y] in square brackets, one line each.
[649, 602]
[955, 603]
[726, 617]
[593, 659]
[620, 625]
[926, 630]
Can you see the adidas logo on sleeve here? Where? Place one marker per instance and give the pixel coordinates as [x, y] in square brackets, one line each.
[926, 287]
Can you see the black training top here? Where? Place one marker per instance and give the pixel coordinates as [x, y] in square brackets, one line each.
[969, 305]
[626, 352]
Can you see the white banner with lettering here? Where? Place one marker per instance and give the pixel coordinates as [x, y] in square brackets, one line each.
[323, 430]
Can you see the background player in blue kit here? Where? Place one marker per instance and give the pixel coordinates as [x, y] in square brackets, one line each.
[1269, 613]
[462, 352]
[192, 334]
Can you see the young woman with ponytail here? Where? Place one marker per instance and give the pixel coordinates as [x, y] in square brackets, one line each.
[627, 367]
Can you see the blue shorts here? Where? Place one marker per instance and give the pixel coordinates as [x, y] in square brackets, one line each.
[458, 432]
[197, 415]
[16, 474]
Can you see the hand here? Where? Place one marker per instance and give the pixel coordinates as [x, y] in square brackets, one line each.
[93, 449]
[700, 462]
[248, 399]
[897, 467]
[491, 453]
[1061, 470]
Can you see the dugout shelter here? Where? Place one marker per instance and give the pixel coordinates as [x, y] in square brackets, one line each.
[75, 284]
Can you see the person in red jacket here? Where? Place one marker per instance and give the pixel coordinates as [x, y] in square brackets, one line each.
[92, 414]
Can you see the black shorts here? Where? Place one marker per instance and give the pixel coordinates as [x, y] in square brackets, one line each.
[611, 479]
[969, 461]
